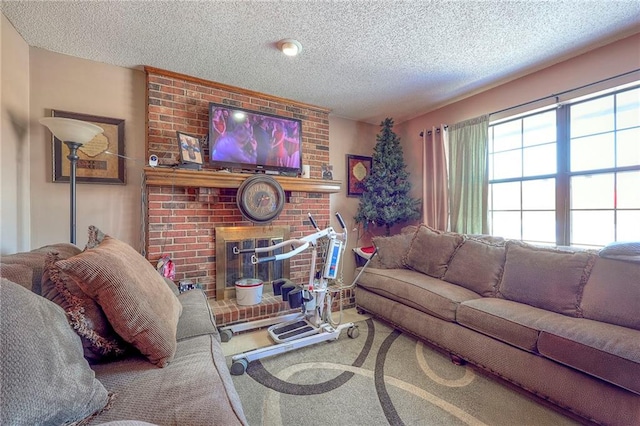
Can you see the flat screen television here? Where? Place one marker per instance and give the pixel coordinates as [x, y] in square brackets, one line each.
[252, 141]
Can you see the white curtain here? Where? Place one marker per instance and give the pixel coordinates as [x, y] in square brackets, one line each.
[435, 196]
[469, 175]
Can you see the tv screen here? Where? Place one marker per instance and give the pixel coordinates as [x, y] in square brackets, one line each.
[247, 140]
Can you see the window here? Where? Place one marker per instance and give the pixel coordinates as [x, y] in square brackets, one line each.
[568, 175]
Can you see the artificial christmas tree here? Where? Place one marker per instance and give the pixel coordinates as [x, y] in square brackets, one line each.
[385, 200]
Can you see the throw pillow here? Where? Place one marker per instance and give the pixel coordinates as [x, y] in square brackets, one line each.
[431, 250]
[34, 259]
[477, 265]
[138, 303]
[45, 379]
[99, 341]
[548, 278]
[629, 251]
[65, 250]
[392, 250]
[409, 229]
[612, 293]
[17, 273]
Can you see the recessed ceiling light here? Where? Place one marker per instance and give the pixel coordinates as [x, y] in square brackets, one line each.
[290, 47]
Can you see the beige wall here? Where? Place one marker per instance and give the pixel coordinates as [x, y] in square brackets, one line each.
[14, 143]
[608, 61]
[348, 137]
[66, 83]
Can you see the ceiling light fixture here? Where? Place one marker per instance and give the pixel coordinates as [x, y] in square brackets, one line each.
[290, 47]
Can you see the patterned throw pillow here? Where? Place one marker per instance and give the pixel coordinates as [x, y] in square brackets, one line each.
[99, 341]
[137, 302]
[45, 379]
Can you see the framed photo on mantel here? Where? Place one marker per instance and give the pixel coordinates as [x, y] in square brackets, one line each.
[101, 159]
[190, 151]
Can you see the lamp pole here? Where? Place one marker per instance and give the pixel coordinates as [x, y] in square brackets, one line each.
[73, 159]
[68, 130]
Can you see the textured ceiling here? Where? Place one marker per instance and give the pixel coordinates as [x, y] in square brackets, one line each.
[365, 60]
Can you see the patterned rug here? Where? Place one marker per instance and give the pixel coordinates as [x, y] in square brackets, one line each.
[381, 377]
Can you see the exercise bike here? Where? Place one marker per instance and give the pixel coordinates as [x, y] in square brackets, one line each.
[314, 324]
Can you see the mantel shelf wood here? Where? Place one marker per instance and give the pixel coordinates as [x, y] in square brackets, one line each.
[170, 176]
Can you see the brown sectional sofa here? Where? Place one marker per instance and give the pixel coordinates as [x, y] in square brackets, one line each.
[50, 375]
[563, 324]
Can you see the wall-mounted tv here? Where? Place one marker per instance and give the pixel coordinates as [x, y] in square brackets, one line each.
[248, 140]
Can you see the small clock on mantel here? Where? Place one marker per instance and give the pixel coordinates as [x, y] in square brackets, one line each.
[260, 198]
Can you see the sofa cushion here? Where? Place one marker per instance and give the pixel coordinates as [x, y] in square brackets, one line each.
[511, 322]
[194, 389]
[612, 293]
[99, 341]
[17, 273]
[431, 250]
[391, 251]
[477, 265]
[197, 318]
[607, 351]
[34, 259]
[172, 286]
[45, 379]
[492, 239]
[420, 291]
[138, 303]
[544, 277]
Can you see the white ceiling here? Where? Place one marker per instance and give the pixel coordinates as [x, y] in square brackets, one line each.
[365, 60]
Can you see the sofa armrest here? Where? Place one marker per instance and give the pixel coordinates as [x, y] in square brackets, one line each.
[197, 318]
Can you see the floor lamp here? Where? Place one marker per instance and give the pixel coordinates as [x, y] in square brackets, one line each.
[74, 133]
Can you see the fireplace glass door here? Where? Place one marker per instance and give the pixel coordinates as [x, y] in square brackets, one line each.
[232, 267]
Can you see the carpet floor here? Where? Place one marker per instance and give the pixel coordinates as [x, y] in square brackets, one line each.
[381, 377]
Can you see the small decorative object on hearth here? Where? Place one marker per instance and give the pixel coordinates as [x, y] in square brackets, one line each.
[166, 267]
[248, 291]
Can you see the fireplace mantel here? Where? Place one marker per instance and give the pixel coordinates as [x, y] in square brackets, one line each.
[171, 176]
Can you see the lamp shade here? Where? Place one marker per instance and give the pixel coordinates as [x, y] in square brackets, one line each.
[69, 130]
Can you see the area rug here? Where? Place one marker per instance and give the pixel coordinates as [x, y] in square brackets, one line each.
[381, 377]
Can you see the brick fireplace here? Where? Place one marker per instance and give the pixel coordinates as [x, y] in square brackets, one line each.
[185, 207]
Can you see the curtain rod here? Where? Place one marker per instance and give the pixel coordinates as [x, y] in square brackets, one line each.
[556, 95]
[437, 131]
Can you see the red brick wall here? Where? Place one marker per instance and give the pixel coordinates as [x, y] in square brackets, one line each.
[182, 221]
